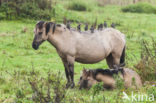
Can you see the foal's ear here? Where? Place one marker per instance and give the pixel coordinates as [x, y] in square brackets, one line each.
[89, 73]
[84, 70]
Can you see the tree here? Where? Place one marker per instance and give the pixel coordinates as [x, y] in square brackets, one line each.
[0, 2]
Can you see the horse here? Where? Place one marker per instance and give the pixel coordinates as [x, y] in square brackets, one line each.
[84, 47]
[91, 77]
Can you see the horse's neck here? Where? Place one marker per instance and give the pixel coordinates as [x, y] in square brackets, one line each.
[58, 40]
[52, 41]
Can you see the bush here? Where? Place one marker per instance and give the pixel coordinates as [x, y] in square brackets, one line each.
[47, 90]
[34, 9]
[140, 8]
[147, 64]
[79, 6]
[58, 12]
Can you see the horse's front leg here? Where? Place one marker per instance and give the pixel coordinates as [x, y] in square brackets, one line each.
[67, 72]
[71, 61]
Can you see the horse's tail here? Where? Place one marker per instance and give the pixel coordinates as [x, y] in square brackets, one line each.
[122, 58]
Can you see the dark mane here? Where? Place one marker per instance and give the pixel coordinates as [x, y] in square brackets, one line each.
[54, 26]
[48, 26]
[109, 72]
[40, 24]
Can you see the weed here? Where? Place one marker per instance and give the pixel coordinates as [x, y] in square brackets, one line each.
[54, 89]
[119, 82]
[147, 64]
[97, 88]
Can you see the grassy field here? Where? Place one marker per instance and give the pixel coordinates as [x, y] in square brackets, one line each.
[18, 58]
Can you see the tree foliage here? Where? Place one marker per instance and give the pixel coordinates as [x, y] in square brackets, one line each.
[36, 9]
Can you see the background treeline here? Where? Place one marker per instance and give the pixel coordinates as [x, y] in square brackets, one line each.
[123, 2]
[33, 9]
[46, 9]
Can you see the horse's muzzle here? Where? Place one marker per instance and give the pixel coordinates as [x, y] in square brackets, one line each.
[35, 45]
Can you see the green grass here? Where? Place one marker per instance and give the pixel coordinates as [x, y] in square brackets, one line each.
[140, 8]
[16, 53]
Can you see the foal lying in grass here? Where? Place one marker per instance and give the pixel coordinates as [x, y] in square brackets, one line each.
[92, 76]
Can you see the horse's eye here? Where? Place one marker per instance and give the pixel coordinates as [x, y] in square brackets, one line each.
[40, 33]
[80, 78]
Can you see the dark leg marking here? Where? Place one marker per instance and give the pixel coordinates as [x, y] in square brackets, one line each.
[67, 71]
[71, 68]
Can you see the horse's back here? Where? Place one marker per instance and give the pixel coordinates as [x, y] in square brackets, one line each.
[114, 35]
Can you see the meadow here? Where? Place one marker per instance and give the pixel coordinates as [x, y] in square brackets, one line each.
[18, 59]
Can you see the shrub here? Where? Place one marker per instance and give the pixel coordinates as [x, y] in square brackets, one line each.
[58, 11]
[147, 64]
[79, 6]
[47, 90]
[140, 8]
[34, 9]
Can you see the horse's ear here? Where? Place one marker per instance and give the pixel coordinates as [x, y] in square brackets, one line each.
[89, 73]
[84, 70]
[47, 27]
[54, 27]
[37, 22]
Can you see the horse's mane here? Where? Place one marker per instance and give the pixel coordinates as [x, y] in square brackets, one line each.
[109, 72]
[40, 24]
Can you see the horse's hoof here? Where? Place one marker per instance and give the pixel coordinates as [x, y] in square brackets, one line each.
[67, 85]
[72, 85]
[122, 64]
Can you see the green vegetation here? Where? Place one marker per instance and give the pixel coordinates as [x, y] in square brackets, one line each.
[119, 82]
[147, 64]
[140, 8]
[32, 9]
[19, 61]
[81, 5]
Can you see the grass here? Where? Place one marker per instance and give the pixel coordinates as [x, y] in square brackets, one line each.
[17, 55]
[140, 8]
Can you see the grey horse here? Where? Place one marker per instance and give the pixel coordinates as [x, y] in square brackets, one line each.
[84, 47]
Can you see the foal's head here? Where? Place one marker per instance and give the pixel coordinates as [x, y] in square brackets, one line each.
[87, 79]
[43, 30]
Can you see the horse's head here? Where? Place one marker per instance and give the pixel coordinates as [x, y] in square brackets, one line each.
[43, 30]
[40, 32]
[86, 79]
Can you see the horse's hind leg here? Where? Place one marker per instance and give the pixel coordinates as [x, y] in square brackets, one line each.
[116, 60]
[109, 60]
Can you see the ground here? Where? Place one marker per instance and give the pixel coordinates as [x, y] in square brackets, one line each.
[17, 54]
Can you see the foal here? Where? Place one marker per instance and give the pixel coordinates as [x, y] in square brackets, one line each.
[90, 77]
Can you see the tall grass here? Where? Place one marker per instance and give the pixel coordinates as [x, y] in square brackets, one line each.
[81, 5]
[122, 2]
[147, 64]
[140, 8]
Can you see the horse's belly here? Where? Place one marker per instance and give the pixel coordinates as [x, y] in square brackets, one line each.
[89, 59]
